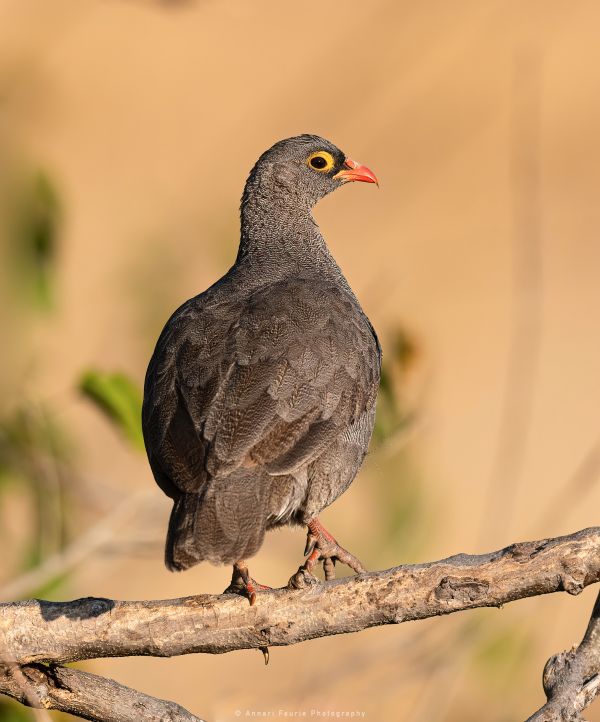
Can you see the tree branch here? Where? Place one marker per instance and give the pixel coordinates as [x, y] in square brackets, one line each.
[92, 627]
[88, 696]
[572, 679]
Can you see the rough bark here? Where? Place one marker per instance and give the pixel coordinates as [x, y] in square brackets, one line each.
[86, 695]
[572, 679]
[37, 631]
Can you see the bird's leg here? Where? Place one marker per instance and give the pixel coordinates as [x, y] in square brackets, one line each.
[321, 546]
[242, 583]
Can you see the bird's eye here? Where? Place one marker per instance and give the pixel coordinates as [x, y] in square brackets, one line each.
[321, 161]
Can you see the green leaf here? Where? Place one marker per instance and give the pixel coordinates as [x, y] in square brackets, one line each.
[119, 398]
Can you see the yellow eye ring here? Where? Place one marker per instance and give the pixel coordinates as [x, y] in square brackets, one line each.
[321, 161]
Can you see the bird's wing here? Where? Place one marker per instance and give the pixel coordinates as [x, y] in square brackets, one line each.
[271, 383]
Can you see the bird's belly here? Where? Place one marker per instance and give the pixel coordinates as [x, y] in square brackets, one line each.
[333, 472]
[299, 498]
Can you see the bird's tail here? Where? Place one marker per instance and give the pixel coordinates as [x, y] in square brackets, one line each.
[222, 525]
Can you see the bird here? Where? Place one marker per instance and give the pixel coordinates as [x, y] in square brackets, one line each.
[259, 398]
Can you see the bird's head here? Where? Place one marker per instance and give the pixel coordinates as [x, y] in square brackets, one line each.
[303, 169]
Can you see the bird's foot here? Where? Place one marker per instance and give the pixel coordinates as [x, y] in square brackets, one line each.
[243, 584]
[321, 546]
[302, 579]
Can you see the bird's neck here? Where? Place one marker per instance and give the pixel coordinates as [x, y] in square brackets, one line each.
[280, 229]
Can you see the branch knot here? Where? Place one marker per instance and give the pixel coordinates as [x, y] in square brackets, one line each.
[461, 590]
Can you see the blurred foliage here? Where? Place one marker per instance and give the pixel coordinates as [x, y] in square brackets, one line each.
[13, 712]
[24, 434]
[34, 467]
[33, 235]
[35, 449]
[397, 485]
[392, 414]
[119, 398]
[401, 504]
[501, 654]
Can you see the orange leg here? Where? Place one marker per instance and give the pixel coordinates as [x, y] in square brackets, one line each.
[322, 546]
[242, 583]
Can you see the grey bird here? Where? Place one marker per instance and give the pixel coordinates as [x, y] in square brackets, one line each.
[259, 399]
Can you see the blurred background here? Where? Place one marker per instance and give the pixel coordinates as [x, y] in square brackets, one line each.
[127, 129]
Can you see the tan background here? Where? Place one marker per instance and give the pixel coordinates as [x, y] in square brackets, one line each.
[481, 120]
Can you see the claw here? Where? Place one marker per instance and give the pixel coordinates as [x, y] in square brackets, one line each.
[311, 540]
[242, 583]
[322, 546]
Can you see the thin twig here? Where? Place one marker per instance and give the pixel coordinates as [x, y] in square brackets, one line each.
[526, 329]
[13, 673]
[77, 552]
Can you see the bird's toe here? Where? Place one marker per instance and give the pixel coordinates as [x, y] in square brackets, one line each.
[243, 584]
[322, 546]
[302, 579]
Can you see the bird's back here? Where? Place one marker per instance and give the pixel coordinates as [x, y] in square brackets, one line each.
[249, 392]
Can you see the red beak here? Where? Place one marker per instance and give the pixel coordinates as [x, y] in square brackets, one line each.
[356, 172]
